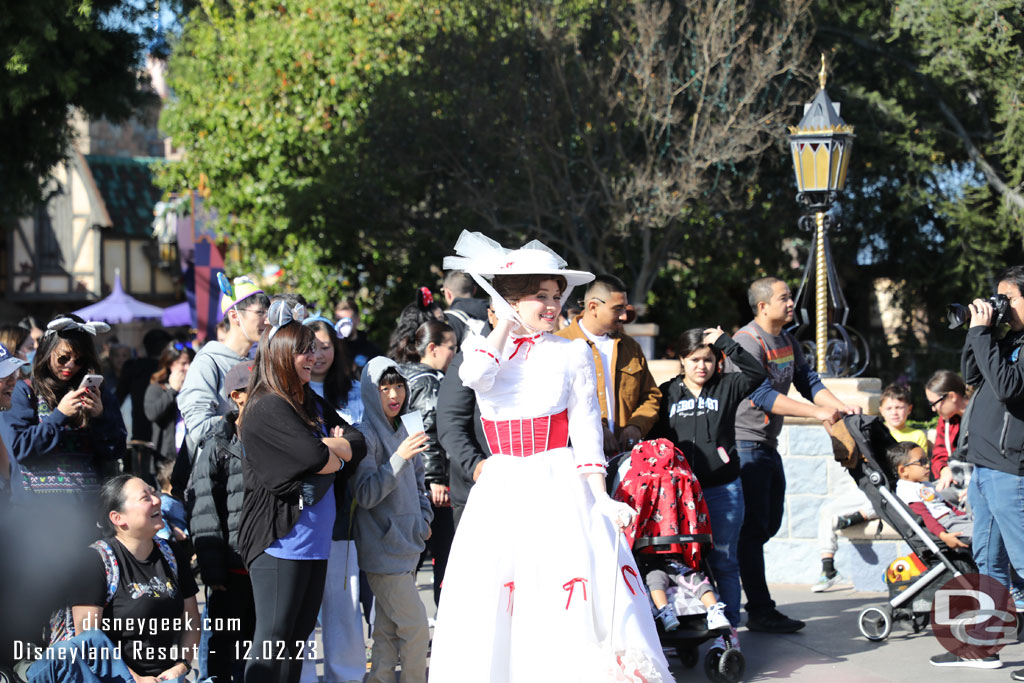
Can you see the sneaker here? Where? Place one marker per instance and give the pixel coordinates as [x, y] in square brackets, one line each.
[824, 583]
[1018, 598]
[950, 659]
[717, 618]
[734, 641]
[668, 619]
[1017, 675]
[773, 621]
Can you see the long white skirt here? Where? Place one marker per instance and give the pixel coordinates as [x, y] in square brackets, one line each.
[528, 593]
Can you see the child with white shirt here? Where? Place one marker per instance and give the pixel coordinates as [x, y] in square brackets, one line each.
[953, 526]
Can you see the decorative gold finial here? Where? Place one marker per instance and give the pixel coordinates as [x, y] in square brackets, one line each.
[823, 74]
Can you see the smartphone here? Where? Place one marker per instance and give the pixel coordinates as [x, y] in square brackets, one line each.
[91, 382]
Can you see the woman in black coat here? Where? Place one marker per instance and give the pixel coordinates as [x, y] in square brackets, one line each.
[161, 399]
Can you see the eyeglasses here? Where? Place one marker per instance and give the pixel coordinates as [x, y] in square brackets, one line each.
[65, 358]
[938, 401]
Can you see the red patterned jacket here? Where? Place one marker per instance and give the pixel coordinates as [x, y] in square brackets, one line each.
[663, 490]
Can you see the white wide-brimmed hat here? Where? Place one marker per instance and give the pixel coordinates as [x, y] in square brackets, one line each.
[483, 258]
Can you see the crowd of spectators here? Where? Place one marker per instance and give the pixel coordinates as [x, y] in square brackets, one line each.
[270, 470]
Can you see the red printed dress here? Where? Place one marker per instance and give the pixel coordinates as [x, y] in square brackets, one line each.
[528, 592]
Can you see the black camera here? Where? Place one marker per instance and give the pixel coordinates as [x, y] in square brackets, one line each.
[959, 315]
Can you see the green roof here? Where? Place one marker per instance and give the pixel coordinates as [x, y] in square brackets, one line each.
[126, 186]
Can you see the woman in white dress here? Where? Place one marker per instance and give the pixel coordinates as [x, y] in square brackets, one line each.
[534, 591]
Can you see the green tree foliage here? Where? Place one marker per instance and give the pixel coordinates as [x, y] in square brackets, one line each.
[56, 55]
[933, 88]
[270, 105]
[364, 136]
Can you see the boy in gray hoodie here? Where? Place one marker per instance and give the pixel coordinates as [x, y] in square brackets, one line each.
[392, 524]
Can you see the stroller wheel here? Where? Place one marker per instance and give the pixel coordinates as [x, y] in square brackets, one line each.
[690, 657]
[731, 666]
[875, 623]
[712, 661]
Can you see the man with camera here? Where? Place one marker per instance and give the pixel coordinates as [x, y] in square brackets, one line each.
[994, 436]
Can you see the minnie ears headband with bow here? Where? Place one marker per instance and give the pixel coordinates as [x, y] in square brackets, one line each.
[65, 324]
[280, 314]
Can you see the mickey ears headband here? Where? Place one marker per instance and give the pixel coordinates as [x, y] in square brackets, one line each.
[281, 314]
[65, 324]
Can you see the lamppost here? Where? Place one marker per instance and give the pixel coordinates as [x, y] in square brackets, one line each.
[821, 145]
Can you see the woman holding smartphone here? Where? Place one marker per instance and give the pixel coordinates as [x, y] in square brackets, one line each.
[62, 435]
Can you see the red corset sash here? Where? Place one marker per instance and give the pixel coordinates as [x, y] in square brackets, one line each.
[522, 438]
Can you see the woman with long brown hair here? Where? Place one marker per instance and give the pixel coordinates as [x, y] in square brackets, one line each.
[161, 399]
[62, 436]
[293, 444]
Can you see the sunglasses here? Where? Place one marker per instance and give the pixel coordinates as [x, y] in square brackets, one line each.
[922, 462]
[65, 358]
[181, 346]
[938, 401]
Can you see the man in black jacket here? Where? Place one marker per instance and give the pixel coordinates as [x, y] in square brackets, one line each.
[994, 432]
[135, 376]
[219, 492]
[461, 435]
[466, 314]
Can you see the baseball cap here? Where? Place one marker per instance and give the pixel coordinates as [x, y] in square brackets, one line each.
[8, 362]
[238, 376]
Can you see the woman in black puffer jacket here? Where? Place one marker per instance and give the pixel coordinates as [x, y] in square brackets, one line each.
[424, 362]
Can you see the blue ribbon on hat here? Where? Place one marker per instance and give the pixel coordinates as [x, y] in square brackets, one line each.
[281, 314]
[225, 285]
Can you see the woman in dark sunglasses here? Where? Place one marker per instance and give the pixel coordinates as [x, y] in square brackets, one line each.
[62, 437]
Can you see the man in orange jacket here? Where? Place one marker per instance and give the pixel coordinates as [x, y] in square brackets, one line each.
[626, 390]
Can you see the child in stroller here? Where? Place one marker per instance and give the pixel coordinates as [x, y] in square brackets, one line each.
[673, 587]
[862, 443]
[669, 537]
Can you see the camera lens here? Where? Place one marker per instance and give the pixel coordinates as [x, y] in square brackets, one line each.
[957, 315]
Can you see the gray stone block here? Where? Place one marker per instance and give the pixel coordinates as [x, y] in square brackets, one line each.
[809, 440]
[803, 514]
[865, 563]
[789, 561]
[805, 475]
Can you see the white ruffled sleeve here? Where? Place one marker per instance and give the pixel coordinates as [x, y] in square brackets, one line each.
[479, 363]
[585, 431]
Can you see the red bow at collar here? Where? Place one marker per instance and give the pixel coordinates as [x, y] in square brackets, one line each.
[528, 342]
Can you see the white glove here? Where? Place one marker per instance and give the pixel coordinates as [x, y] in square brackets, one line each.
[620, 514]
[503, 310]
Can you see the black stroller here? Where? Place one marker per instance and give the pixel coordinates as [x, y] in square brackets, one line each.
[720, 665]
[911, 601]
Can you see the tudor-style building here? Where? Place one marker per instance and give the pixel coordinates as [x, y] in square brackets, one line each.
[97, 219]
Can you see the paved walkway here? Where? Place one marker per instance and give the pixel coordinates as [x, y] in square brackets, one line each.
[831, 648]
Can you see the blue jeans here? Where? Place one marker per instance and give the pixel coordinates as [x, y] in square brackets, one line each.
[764, 499]
[997, 500]
[725, 507]
[85, 668]
[92, 665]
